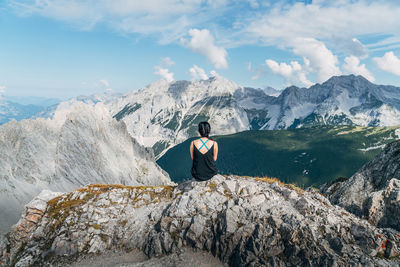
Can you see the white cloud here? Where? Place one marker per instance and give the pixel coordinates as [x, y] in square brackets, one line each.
[202, 42]
[197, 73]
[167, 61]
[317, 57]
[270, 21]
[389, 62]
[105, 83]
[352, 65]
[293, 73]
[169, 20]
[325, 20]
[164, 73]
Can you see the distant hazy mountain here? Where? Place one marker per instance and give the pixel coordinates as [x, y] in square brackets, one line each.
[80, 145]
[33, 100]
[11, 110]
[20, 107]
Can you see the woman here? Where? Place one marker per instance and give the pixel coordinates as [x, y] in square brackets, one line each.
[203, 152]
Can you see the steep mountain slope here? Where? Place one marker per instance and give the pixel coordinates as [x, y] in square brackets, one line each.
[165, 114]
[80, 145]
[243, 222]
[306, 156]
[374, 191]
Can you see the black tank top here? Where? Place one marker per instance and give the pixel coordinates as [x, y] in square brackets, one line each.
[203, 167]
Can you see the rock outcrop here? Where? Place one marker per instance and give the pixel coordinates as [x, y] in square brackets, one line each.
[373, 192]
[82, 144]
[242, 221]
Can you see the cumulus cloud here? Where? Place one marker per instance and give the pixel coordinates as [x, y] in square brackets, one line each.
[293, 73]
[352, 65]
[197, 73]
[202, 42]
[164, 73]
[389, 62]
[317, 56]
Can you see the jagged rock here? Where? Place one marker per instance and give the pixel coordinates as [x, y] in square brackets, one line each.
[373, 192]
[276, 225]
[81, 145]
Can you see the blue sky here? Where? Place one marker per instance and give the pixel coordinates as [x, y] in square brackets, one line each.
[60, 48]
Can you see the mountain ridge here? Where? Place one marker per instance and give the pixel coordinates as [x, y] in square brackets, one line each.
[79, 145]
[341, 100]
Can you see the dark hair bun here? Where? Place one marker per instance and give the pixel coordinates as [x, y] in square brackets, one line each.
[204, 129]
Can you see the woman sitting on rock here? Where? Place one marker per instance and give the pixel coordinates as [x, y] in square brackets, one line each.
[203, 152]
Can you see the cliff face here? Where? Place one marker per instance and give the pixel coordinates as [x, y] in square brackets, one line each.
[242, 221]
[82, 144]
[373, 192]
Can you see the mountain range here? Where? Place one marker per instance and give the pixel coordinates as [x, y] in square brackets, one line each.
[165, 114]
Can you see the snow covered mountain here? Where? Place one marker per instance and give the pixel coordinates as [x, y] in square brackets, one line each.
[165, 114]
[82, 144]
[341, 100]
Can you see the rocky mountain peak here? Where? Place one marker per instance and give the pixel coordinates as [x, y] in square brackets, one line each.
[241, 221]
[82, 144]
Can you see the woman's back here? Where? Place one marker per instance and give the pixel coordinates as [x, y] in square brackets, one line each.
[203, 167]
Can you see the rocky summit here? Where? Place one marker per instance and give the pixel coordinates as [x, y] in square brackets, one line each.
[373, 192]
[242, 221]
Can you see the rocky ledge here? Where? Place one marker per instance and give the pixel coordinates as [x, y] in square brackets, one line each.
[372, 193]
[240, 220]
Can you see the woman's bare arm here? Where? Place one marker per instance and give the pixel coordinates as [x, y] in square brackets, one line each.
[215, 150]
[191, 150]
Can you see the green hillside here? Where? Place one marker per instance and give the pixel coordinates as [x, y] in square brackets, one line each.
[305, 156]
